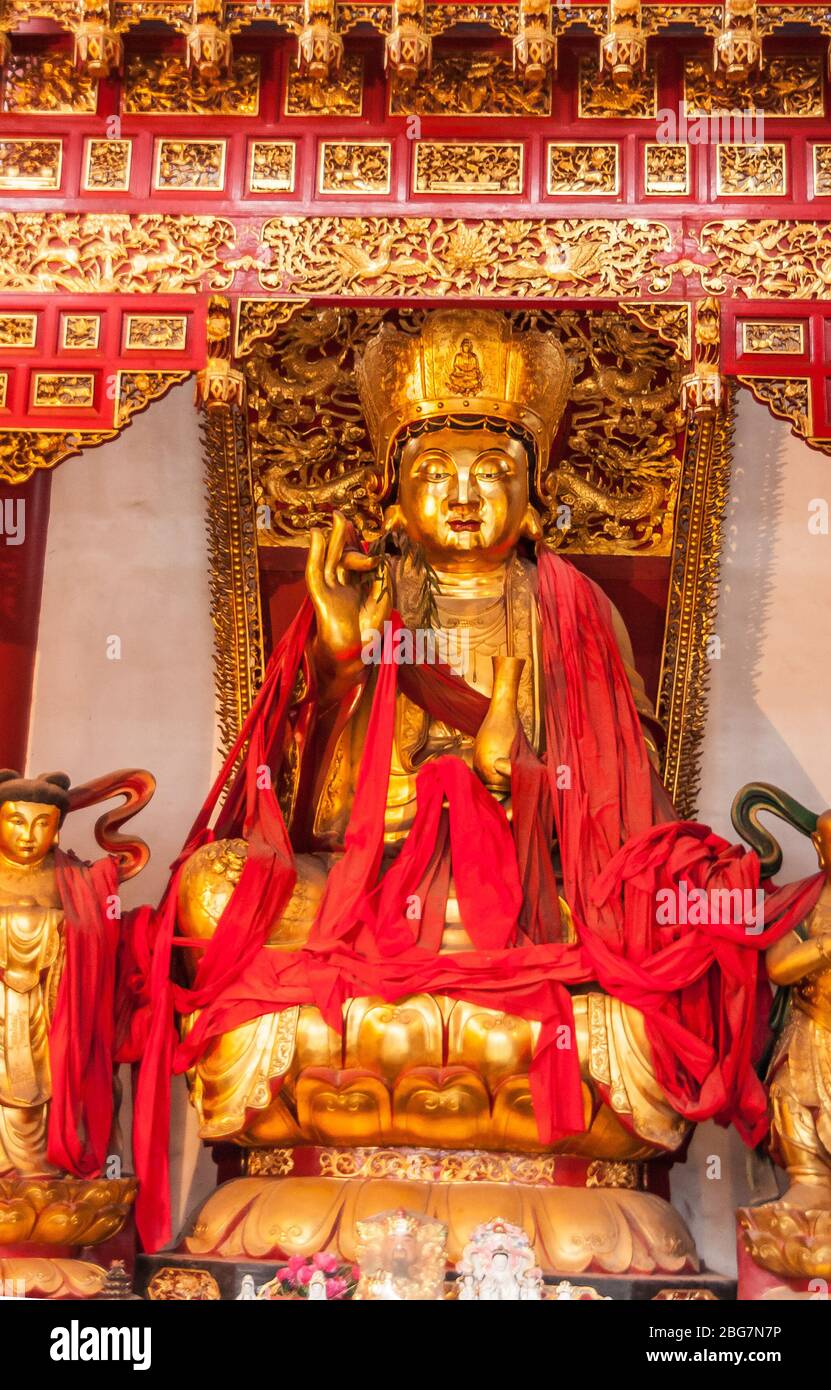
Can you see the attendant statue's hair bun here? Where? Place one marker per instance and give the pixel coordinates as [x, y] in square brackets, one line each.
[58, 779]
[50, 788]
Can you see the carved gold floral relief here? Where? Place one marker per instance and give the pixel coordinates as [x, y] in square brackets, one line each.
[63, 390]
[164, 86]
[779, 336]
[257, 319]
[667, 169]
[104, 253]
[434, 256]
[18, 330]
[789, 85]
[672, 322]
[599, 96]
[107, 167]
[271, 166]
[156, 332]
[751, 171]
[30, 163]
[786, 397]
[80, 332]
[822, 170]
[136, 389]
[470, 83]
[24, 452]
[346, 166]
[457, 167]
[767, 259]
[189, 164]
[41, 84]
[341, 95]
[583, 168]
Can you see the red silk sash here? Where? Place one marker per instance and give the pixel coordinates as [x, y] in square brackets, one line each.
[81, 1035]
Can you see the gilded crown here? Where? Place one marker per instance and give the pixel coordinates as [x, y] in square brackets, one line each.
[463, 362]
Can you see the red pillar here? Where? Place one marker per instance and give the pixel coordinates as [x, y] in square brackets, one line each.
[24, 518]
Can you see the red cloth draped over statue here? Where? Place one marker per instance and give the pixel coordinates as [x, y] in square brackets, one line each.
[700, 988]
[81, 1037]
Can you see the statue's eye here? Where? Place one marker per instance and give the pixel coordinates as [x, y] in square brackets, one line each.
[436, 470]
[491, 468]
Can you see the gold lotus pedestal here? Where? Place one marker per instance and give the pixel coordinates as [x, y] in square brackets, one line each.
[607, 1229]
[45, 1224]
[784, 1250]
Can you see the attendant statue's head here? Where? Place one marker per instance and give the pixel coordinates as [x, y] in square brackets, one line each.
[32, 810]
[463, 414]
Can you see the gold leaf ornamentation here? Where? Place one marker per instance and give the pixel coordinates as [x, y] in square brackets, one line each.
[471, 83]
[165, 86]
[751, 171]
[30, 163]
[768, 259]
[107, 253]
[137, 389]
[455, 167]
[47, 84]
[599, 96]
[466, 257]
[341, 95]
[693, 600]
[789, 85]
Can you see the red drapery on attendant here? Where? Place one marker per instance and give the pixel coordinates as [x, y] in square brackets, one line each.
[698, 986]
[81, 1036]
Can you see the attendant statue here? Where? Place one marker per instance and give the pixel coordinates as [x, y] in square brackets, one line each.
[31, 959]
[59, 932]
[429, 1000]
[800, 1070]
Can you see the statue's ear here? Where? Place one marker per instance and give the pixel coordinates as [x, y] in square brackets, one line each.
[531, 524]
[394, 519]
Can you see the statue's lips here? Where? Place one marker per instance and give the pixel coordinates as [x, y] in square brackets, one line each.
[472, 524]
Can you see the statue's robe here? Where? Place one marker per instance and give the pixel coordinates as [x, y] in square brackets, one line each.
[31, 959]
[507, 625]
[57, 1000]
[800, 1071]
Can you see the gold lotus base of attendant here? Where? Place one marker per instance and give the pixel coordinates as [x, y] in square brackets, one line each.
[610, 1230]
[788, 1240]
[63, 1211]
[50, 1278]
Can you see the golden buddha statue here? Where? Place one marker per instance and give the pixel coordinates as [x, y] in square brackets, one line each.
[59, 933]
[462, 416]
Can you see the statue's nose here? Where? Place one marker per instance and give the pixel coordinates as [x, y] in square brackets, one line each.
[465, 491]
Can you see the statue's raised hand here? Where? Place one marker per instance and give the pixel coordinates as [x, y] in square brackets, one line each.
[347, 609]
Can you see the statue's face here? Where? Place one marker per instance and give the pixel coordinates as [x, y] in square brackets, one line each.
[464, 495]
[27, 830]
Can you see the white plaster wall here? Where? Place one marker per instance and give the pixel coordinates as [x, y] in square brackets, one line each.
[127, 558]
[766, 722]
